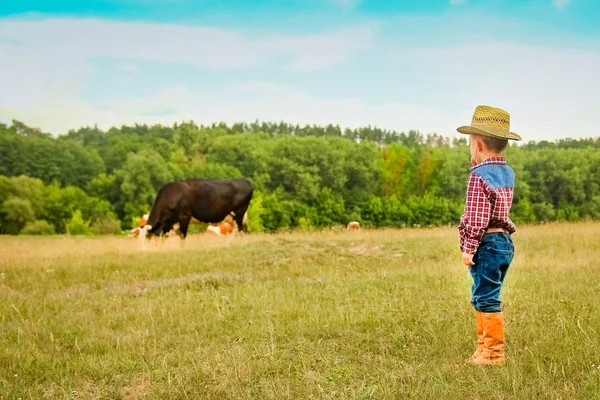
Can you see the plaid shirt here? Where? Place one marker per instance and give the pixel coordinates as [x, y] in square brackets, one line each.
[489, 198]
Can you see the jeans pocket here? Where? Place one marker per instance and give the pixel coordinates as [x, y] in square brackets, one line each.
[501, 246]
[499, 257]
[500, 249]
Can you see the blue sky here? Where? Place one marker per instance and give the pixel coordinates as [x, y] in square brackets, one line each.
[399, 65]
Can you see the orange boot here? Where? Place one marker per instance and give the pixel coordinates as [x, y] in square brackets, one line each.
[480, 342]
[493, 337]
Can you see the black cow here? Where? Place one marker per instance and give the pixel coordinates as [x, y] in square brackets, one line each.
[207, 200]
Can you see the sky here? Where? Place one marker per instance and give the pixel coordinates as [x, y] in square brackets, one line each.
[422, 65]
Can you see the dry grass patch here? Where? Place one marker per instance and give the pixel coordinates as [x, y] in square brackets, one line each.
[367, 314]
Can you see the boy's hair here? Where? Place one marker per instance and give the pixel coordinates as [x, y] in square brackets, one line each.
[493, 144]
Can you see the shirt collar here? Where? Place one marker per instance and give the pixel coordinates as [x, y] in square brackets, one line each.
[491, 160]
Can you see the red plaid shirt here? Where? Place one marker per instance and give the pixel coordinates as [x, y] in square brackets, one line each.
[488, 202]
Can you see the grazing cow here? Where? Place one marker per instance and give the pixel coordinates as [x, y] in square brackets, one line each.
[353, 226]
[224, 228]
[135, 232]
[206, 200]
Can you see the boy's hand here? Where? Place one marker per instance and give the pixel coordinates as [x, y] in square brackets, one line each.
[467, 259]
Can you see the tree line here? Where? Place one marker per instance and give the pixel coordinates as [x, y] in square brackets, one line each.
[90, 181]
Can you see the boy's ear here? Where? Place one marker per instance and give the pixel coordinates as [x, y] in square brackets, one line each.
[479, 143]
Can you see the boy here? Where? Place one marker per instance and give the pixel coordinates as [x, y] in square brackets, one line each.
[485, 227]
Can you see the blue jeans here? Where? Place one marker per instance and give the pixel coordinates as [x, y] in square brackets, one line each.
[492, 259]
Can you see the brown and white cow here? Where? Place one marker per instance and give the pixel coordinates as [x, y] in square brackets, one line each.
[223, 229]
[135, 232]
[353, 226]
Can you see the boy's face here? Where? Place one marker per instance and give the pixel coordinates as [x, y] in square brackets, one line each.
[475, 147]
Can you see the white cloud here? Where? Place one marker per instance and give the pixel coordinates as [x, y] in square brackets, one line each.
[84, 39]
[560, 4]
[318, 51]
[457, 2]
[129, 67]
[45, 62]
[56, 53]
[274, 102]
[549, 92]
[240, 102]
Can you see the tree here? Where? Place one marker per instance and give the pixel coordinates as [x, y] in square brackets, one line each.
[185, 136]
[304, 176]
[427, 166]
[143, 175]
[62, 203]
[398, 170]
[17, 213]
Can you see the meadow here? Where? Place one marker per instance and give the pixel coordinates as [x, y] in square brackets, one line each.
[374, 314]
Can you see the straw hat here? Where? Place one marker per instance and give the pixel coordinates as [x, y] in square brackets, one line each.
[490, 121]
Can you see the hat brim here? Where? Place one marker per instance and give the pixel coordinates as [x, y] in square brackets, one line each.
[488, 131]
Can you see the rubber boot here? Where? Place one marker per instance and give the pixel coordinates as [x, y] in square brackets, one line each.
[493, 338]
[479, 328]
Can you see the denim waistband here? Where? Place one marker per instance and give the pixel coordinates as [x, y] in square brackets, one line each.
[505, 231]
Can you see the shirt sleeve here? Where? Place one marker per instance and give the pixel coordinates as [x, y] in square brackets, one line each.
[476, 215]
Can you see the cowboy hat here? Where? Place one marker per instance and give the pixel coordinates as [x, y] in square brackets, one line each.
[490, 121]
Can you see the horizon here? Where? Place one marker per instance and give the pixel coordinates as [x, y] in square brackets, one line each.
[350, 63]
[451, 139]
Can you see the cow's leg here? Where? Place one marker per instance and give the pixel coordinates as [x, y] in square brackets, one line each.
[184, 223]
[240, 219]
[167, 226]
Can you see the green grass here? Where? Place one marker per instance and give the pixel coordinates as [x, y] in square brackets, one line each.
[333, 315]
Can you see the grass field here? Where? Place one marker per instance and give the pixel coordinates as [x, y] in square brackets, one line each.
[335, 315]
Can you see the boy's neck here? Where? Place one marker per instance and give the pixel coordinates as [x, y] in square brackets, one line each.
[486, 155]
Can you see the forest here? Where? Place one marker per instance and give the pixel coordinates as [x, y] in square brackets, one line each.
[90, 181]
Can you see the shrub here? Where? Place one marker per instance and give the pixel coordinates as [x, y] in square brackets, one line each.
[255, 212]
[38, 227]
[17, 213]
[544, 212]
[77, 226]
[106, 226]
